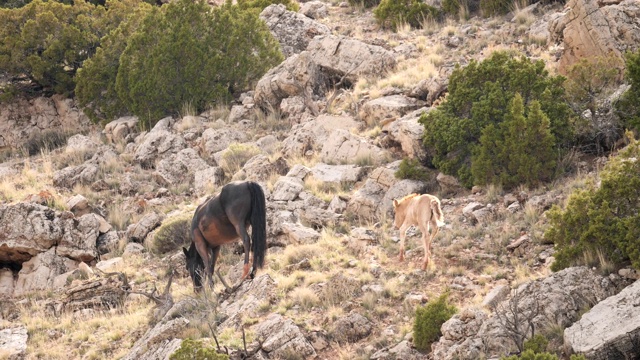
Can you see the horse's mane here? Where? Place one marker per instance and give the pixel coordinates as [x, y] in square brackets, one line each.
[407, 197]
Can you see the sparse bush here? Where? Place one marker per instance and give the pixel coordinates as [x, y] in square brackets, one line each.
[229, 48]
[196, 350]
[495, 7]
[365, 3]
[45, 140]
[628, 108]
[393, 13]
[601, 219]
[479, 96]
[590, 82]
[412, 169]
[259, 5]
[429, 319]
[236, 156]
[173, 233]
[532, 355]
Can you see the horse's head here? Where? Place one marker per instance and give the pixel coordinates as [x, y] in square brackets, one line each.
[195, 266]
[400, 209]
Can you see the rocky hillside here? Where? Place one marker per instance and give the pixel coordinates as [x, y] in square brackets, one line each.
[92, 218]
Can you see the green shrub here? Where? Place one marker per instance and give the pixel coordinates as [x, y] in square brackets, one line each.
[517, 151]
[628, 108]
[46, 42]
[429, 319]
[96, 80]
[412, 169]
[172, 234]
[261, 4]
[196, 350]
[538, 343]
[532, 355]
[228, 49]
[602, 220]
[480, 95]
[365, 3]
[393, 13]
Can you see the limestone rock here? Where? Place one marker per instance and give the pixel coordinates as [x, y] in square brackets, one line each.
[611, 329]
[40, 272]
[208, 178]
[215, 140]
[344, 147]
[156, 144]
[338, 174]
[13, 342]
[314, 10]
[287, 189]
[80, 142]
[388, 107]
[138, 232]
[283, 337]
[160, 336]
[299, 234]
[72, 175]
[118, 130]
[407, 132]
[294, 31]
[179, 168]
[351, 328]
[592, 28]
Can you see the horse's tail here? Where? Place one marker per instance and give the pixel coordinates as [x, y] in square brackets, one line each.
[258, 223]
[437, 211]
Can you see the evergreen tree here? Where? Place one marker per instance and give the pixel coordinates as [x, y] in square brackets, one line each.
[187, 53]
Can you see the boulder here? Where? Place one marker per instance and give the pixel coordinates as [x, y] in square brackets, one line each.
[162, 336]
[119, 130]
[367, 202]
[388, 107]
[282, 337]
[338, 174]
[39, 272]
[311, 136]
[300, 234]
[593, 28]
[70, 176]
[611, 329]
[13, 342]
[246, 301]
[138, 232]
[261, 168]
[351, 328]
[350, 58]
[78, 205]
[287, 189]
[79, 238]
[6, 282]
[407, 132]
[179, 168]
[344, 147]
[27, 118]
[80, 142]
[207, 179]
[215, 140]
[157, 144]
[314, 10]
[298, 75]
[556, 300]
[293, 31]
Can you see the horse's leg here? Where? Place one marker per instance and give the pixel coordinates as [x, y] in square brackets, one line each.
[214, 257]
[203, 250]
[434, 231]
[241, 229]
[403, 234]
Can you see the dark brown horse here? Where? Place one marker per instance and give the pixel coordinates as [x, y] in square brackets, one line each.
[224, 219]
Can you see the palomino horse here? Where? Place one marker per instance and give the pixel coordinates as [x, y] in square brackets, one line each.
[223, 219]
[423, 211]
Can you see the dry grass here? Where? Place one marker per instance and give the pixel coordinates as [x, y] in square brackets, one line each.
[406, 75]
[98, 336]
